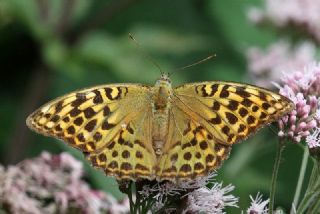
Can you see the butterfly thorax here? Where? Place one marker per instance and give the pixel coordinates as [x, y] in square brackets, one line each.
[160, 108]
[162, 94]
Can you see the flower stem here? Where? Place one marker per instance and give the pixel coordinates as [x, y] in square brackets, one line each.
[130, 197]
[313, 176]
[313, 190]
[300, 180]
[280, 147]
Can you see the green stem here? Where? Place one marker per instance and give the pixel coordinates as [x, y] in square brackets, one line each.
[313, 190]
[139, 205]
[306, 201]
[280, 147]
[300, 180]
[313, 176]
[315, 207]
[130, 197]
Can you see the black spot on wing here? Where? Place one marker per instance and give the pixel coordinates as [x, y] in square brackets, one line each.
[98, 98]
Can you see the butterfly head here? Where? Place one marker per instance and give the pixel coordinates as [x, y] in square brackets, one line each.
[163, 81]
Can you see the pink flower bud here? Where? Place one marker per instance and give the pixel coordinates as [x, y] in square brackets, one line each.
[305, 133]
[302, 126]
[292, 128]
[306, 109]
[312, 124]
[313, 102]
[293, 119]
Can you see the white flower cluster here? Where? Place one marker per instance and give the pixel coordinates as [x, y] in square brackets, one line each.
[211, 200]
[258, 206]
[198, 196]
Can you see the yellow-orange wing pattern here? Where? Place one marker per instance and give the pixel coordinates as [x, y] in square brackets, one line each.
[207, 118]
[110, 124]
[113, 125]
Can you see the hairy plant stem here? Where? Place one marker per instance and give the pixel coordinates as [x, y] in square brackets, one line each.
[300, 179]
[280, 147]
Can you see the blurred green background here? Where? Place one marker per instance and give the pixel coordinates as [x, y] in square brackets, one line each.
[49, 48]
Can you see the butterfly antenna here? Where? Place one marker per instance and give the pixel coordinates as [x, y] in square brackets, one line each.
[144, 52]
[193, 64]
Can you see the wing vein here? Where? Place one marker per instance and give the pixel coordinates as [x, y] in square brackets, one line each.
[197, 115]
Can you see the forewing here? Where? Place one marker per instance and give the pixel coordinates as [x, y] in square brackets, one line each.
[231, 111]
[108, 123]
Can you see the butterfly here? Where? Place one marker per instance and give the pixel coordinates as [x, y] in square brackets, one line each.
[135, 131]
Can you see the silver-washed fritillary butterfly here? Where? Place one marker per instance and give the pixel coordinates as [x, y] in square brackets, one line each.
[134, 131]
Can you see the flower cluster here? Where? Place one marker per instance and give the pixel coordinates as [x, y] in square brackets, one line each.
[211, 200]
[265, 66]
[303, 14]
[161, 193]
[303, 88]
[313, 140]
[300, 83]
[258, 206]
[195, 194]
[52, 184]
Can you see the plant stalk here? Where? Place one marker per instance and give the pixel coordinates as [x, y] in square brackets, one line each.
[300, 179]
[130, 197]
[280, 148]
[313, 190]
